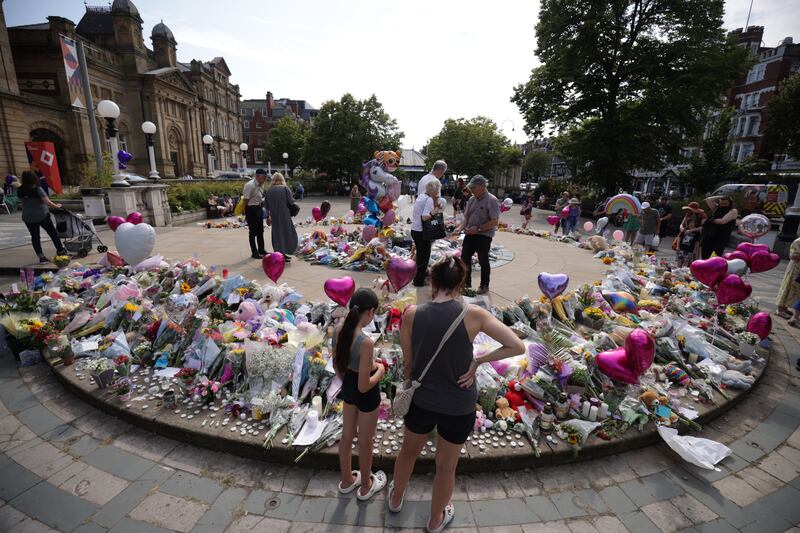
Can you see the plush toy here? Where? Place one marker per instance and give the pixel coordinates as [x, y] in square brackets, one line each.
[516, 397]
[733, 379]
[394, 320]
[677, 375]
[503, 411]
[658, 406]
[480, 417]
[597, 243]
[247, 310]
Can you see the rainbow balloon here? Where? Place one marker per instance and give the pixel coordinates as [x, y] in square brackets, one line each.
[621, 302]
[623, 201]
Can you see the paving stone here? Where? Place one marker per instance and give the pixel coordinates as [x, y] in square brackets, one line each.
[661, 487]
[794, 439]
[39, 419]
[692, 509]
[62, 475]
[54, 507]
[222, 511]
[414, 514]
[609, 524]
[186, 485]
[637, 521]
[126, 525]
[250, 523]
[10, 517]
[43, 459]
[256, 501]
[501, 529]
[765, 521]
[647, 461]
[737, 490]
[617, 500]
[746, 451]
[567, 504]
[484, 487]
[543, 507]
[780, 467]
[296, 480]
[528, 483]
[123, 503]
[710, 497]
[717, 526]
[791, 454]
[119, 462]
[763, 482]
[85, 445]
[171, 512]
[350, 511]
[581, 526]
[62, 436]
[145, 444]
[563, 477]
[323, 484]
[785, 503]
[17, 396]
[666, 516]
[286, 506]
[16, 479]
[94, 485]
[67, 408]
[558, 526]
[158, 474]
[313, 527]
[91, 527]
[502, 512]
[637, 491]
[29, 525]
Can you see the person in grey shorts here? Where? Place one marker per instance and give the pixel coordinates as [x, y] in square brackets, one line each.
[446, 399]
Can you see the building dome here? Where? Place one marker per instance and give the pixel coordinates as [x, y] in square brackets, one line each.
[124, 6]
[161, 30]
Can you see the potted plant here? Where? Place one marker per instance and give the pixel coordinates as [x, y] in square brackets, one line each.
[187, 376]
[122, 364]
[59, 347]
[577, 381]
[102, 371]
[747, 343]
[123, 388]
[593, 317]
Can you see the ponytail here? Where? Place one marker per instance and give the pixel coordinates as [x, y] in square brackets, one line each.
[362, 300]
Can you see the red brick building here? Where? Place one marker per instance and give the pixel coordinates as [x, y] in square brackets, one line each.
[258, 116]
[751, 92]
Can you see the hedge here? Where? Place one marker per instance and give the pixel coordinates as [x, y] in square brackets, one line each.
[194, 196]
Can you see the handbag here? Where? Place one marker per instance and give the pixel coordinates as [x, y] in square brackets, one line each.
[433, 228]
[405, 392]
[677, 241]
[240, 205]
[294, 209]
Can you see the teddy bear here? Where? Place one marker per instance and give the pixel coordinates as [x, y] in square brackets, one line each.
[658, 406]
[504, 411]
[516, 398]
[597, 243]
[480, 417]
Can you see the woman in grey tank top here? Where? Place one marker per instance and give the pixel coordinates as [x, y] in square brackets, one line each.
[447, 396]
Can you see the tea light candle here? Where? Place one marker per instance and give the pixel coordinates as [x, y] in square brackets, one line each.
[586, 407]
[592, 413]
[312, 419]
[602, 414]
[316, 404]
[692, 358]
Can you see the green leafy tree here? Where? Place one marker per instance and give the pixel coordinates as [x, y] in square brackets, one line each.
[623, 80]
[537, 164]
[712, 165]
[782, 132]
[288, 136]
[346, 133]
[470, 146]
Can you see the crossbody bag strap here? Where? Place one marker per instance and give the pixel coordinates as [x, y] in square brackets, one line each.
[447, 336]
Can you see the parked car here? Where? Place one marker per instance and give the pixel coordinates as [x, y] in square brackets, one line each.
[230, 176]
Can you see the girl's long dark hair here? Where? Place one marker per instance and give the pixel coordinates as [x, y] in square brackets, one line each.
[362, 301]
[29, 185]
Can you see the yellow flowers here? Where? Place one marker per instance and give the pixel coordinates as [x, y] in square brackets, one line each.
[608, 260]
[185, 287]
[595, 313]
[242, 291]
[131, 307]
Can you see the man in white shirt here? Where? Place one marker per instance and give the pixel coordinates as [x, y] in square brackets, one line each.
[253, 212]
[427, 206]
[436, 173]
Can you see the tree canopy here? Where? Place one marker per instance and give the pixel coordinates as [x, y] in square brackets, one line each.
[782, 132]
[622, 81]
[287, 136]
[470, 146]
[537, 164]
[346, 133]
[712, 165]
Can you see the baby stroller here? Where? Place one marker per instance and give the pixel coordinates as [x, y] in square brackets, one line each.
[76, 232]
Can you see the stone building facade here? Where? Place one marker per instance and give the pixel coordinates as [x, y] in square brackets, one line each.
[258, 116]
[183, 100]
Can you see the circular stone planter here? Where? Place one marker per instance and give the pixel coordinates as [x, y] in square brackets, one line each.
[214, 435]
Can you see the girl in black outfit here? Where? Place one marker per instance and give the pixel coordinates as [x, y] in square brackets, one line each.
[35, 214]
[718, 227]
[361, 377]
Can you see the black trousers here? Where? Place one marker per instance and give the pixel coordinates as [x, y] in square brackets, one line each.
[423, 256]
[255, 227]
[480, 244]
[36, 240]
[710, 244]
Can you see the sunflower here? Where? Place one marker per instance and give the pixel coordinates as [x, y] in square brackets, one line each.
[185, 287]
[131, 307]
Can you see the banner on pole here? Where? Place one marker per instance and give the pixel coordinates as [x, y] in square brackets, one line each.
[73, 70]
[42, 157]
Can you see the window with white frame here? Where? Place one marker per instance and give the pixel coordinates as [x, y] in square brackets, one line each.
[123, 142]
[246, 124]
[755, 122]
[258, 155]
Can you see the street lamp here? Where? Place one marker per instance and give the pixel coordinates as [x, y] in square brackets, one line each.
[149, 129]
[285, 165]
[110, 111]
[243, 148]
[208, 140]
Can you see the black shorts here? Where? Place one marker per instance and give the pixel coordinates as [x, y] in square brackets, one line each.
[455, 429]
[365, 401]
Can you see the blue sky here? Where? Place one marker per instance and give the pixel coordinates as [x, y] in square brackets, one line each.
[425, 60]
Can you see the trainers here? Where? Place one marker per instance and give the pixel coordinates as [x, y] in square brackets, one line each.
[256, 255]
[43, 259]
[483, 290]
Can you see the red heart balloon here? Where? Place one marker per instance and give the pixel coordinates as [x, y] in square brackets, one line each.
[273, 265]
[732, 290]
[749, 248]
[709, 271]
[114, 222]
[760, 324]
[552, 220]
[134, 218]
[400, 272]
[340, 289]
[316, 213]
[641, 350]
[614, 364]
[761, 261]
[738, 254]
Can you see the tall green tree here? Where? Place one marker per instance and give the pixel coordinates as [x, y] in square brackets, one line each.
[712, 165]
[470, 146]
[288, 136]
[623, 80]
[782, 132]
[537, 164]
[346, 133]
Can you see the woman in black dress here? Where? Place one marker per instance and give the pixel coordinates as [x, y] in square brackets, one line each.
[718, 227]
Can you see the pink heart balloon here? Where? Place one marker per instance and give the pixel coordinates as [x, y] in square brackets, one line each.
[760, 324]
[361, 209]
[738, 254]
[732, 290]
[389, 217]
[369, 232]
[134, 218]
[114, 222]
[552, 220]
[273, 265]
[400, 272]
[340, 289]
[641, 350]
[614, 364]
[709, 271]
[749, 248]
[316, 213]
[761, 261]
[565, 212]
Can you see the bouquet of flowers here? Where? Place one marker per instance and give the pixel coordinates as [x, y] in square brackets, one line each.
[217, 308]
[142, 352]
[331, 434]
[186, 376]
[206, 389]
[316, 370]
[748, 338]
[97, 365]
[123, 387]
[270, 364]
[123, 365]
[280, 409]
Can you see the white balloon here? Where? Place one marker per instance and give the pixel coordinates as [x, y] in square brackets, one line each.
[737, 266]
[508, 202]
[135, 243]
[602, 222]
